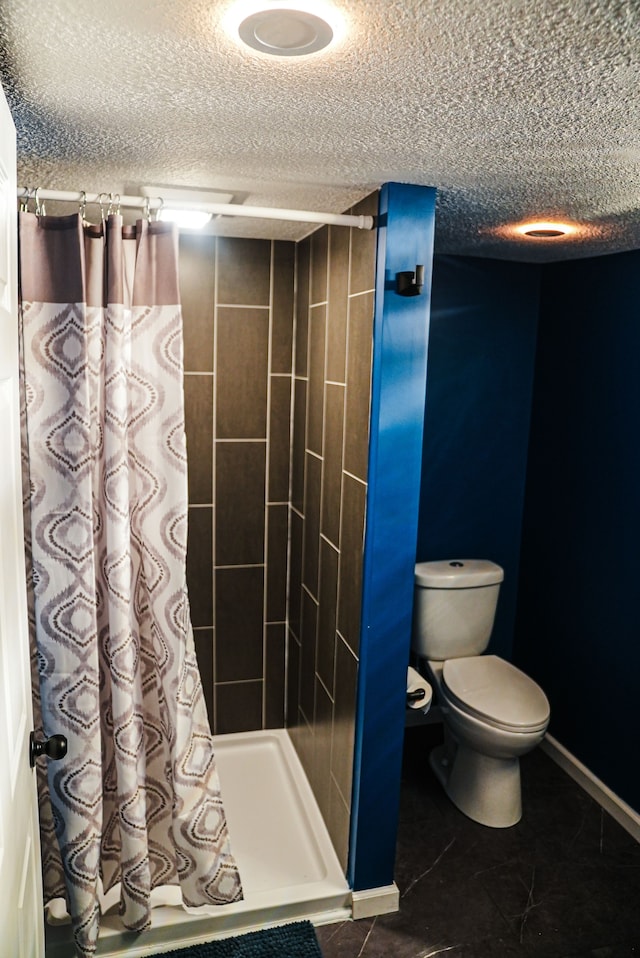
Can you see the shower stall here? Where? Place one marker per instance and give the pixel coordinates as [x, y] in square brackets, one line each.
[277, 373]
[291, 393]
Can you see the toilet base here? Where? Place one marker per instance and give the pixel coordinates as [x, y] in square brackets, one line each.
[485, 789]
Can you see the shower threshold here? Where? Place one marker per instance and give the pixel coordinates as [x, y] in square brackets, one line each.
[288, 867]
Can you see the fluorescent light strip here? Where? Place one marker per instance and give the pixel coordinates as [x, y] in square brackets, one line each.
[185, 219]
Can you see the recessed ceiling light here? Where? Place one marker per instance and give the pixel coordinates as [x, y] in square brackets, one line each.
[544, 233]
[285, 30]
[545, 230]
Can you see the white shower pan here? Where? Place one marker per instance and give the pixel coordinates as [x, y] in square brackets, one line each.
[287, 864]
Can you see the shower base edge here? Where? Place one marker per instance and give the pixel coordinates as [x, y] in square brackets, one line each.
[289, 869]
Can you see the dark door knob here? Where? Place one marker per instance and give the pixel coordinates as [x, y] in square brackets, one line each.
[54, 748]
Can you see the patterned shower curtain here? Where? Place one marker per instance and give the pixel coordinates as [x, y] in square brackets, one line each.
[136, 800]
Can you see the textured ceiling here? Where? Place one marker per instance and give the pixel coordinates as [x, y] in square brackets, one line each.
[513, 109]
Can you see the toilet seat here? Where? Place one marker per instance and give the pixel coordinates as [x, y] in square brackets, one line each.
[496, 692]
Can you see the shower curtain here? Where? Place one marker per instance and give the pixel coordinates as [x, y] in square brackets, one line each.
[136, 801]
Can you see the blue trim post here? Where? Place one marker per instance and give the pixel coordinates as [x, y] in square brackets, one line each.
[400, 339]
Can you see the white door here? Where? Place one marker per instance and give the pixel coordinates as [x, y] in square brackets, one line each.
[21, 912]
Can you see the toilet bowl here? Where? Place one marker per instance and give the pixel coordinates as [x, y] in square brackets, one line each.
[493, 713]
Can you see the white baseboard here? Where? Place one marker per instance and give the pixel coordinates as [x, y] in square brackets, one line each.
[601, 793]
[375, 901]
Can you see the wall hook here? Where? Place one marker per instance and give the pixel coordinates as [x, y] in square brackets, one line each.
[410, 284]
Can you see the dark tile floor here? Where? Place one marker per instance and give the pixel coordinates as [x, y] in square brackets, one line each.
[562, 883]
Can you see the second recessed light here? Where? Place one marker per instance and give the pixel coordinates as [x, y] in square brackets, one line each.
[545, 230]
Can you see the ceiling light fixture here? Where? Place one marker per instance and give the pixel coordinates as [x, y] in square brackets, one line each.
[545, 230]
[185, 206]
[185, 219]
[284, 29]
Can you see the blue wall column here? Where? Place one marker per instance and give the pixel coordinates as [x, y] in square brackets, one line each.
[400, 337]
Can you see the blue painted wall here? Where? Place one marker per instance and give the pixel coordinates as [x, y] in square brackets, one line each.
[484, 316]
[578, 626]
[400, 335]
[530, 457]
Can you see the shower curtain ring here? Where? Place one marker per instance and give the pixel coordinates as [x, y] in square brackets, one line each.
[40, 209]
[82, 206]
[24, 200]
[146, 212]
[114, 204]
[159, 208]
[102, 201]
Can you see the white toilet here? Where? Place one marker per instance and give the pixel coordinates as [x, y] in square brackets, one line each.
[492, 712]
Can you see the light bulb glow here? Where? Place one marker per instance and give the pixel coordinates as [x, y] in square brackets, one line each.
[186, 219]
[546, 230]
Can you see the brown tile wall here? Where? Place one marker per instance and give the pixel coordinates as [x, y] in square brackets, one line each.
[335, 278]
[237, 301]
[256, 490]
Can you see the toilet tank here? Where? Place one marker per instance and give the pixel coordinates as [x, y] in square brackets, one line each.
[454, 607]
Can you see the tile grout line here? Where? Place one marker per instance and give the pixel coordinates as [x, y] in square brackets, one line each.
[290, 509]
[214, 457]
[351, 475]
[265, 596]
[337, 635]
[307, 310]
[242, 305]
[325, 312]
[323, 438]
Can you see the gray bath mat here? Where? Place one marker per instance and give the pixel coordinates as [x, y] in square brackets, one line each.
[296, 940]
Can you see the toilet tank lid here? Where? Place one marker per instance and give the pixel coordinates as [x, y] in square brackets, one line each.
[457, 573]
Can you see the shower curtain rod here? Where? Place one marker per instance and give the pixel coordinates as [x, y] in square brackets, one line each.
[216, 209]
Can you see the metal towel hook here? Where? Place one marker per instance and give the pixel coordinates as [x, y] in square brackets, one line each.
[409, 283]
